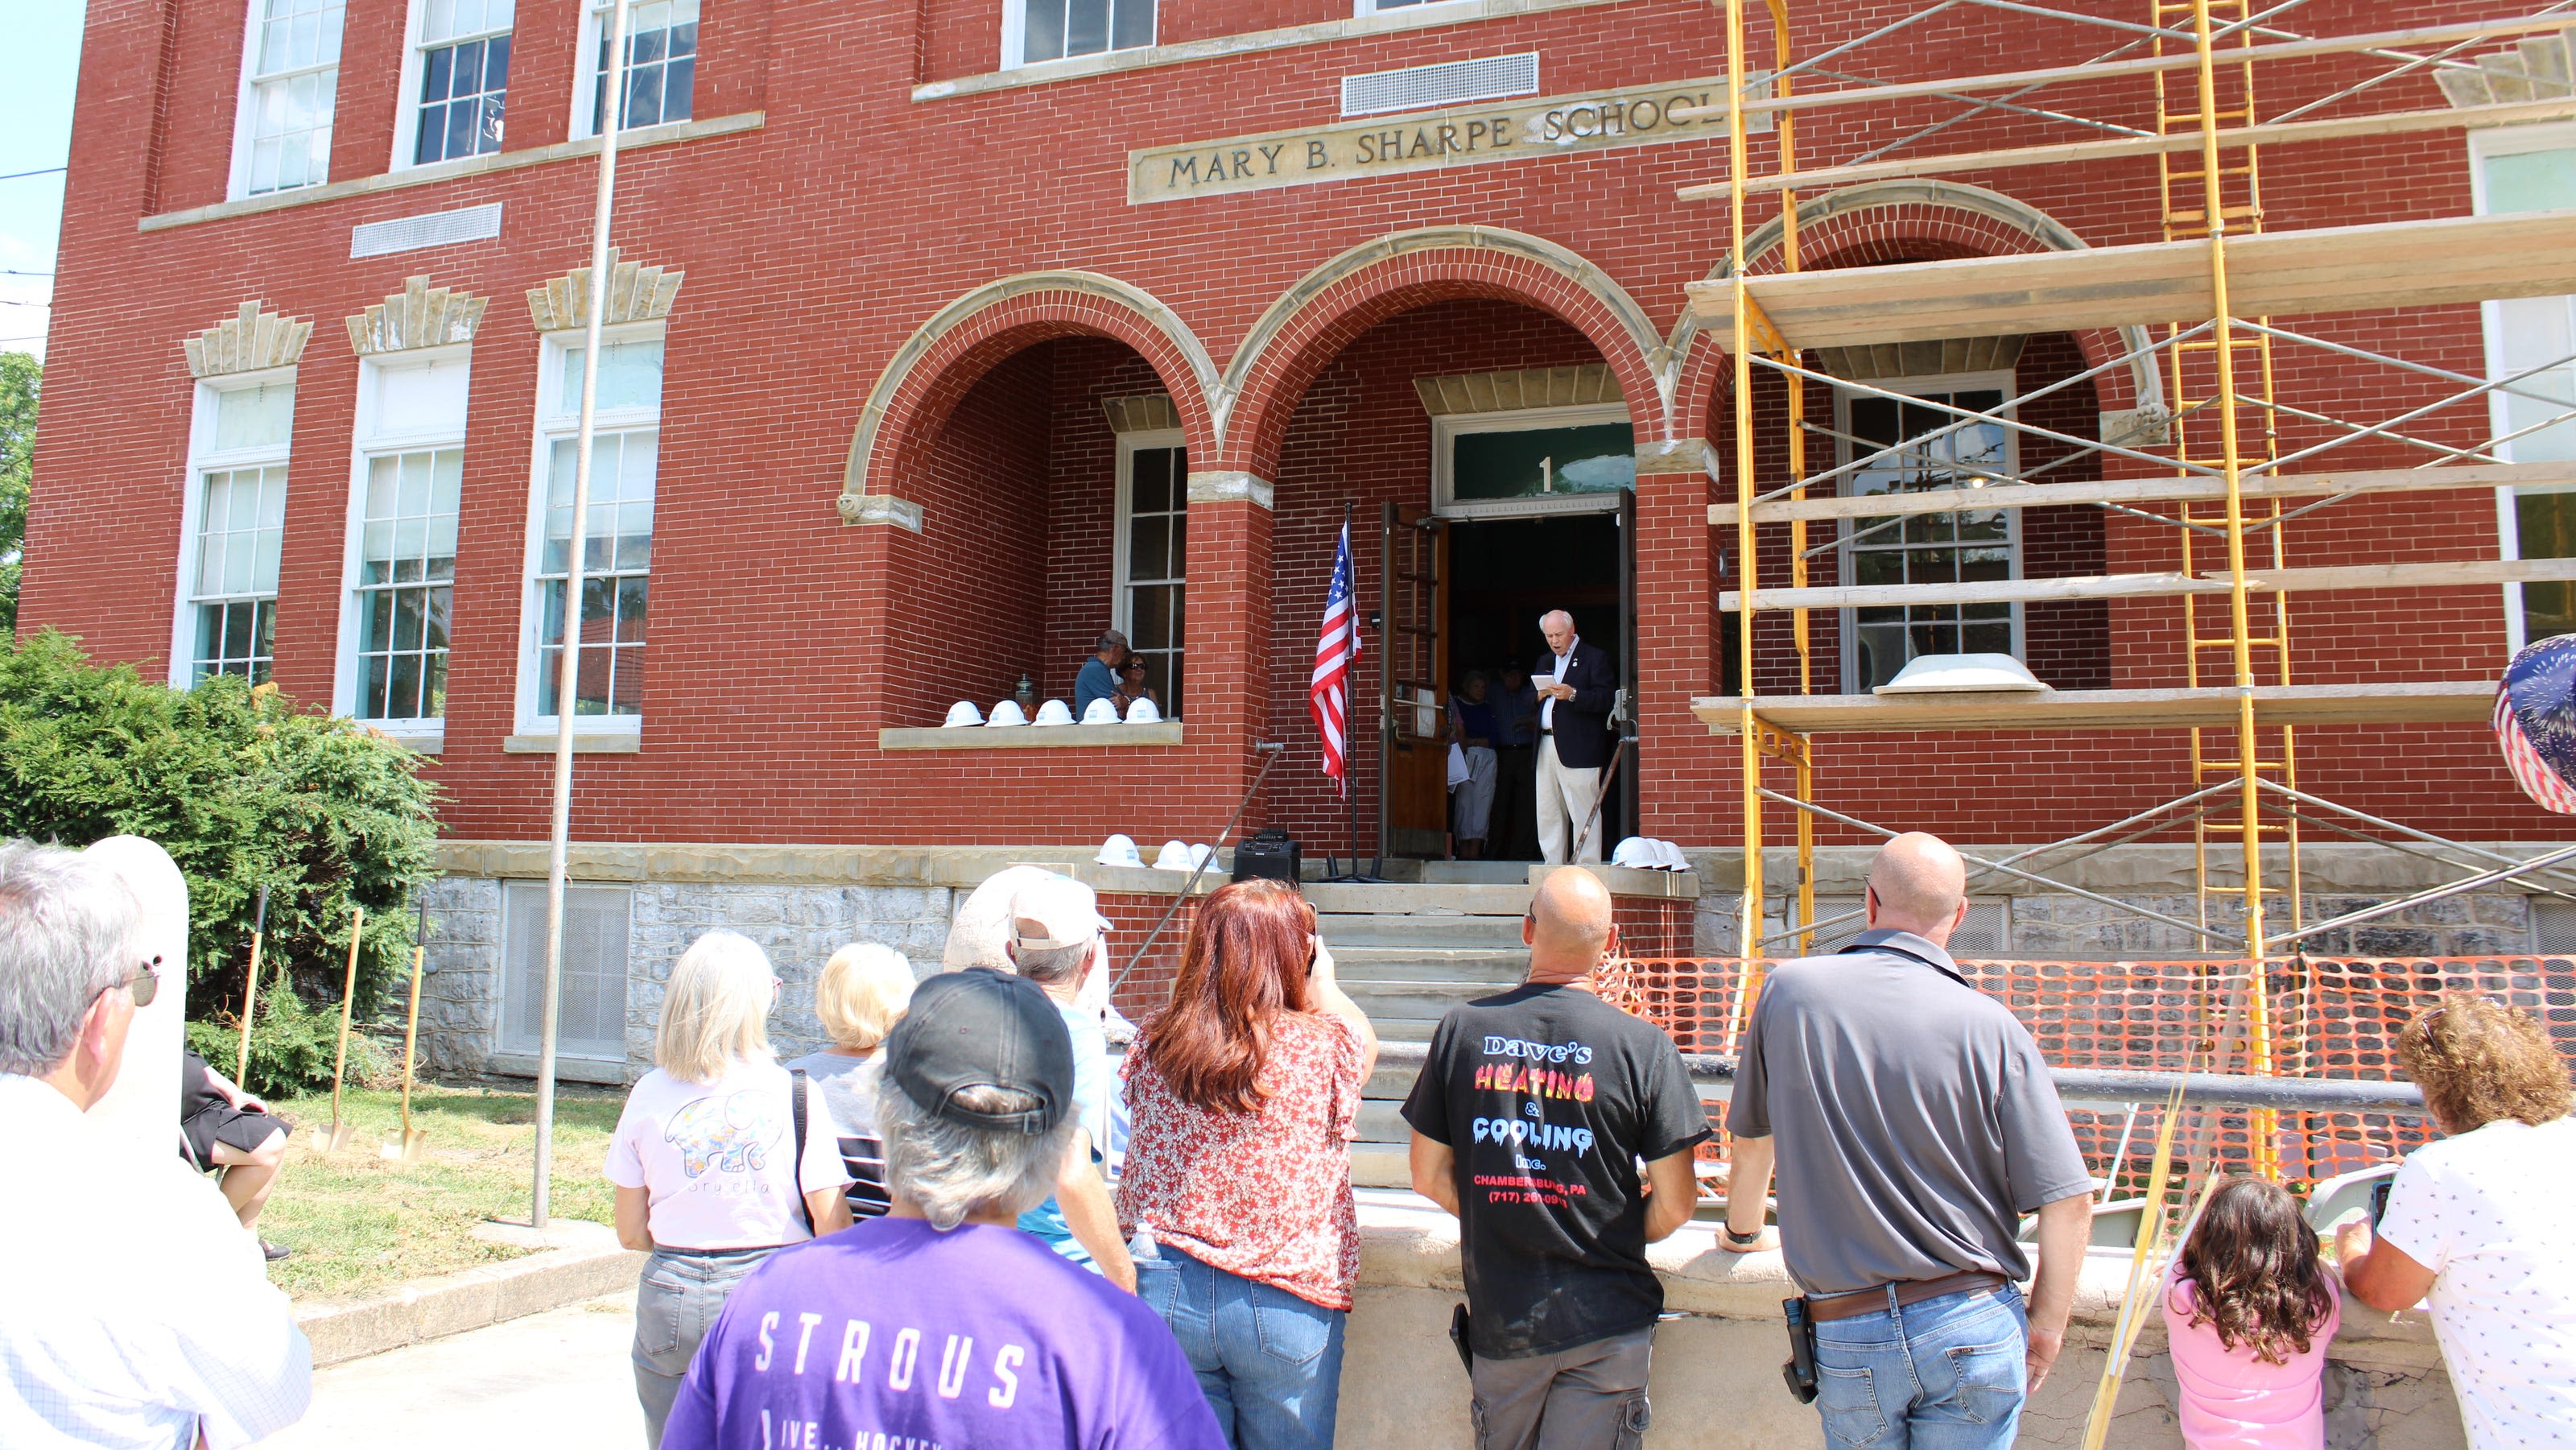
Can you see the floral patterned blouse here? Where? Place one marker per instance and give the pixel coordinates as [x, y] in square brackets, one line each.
[1266, 1195]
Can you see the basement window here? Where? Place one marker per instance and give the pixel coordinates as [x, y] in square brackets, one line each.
[590, 1022]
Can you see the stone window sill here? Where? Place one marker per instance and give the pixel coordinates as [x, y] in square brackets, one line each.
[1250, 42]
[429, 739]
[584, 742]
[568, 1069]
[1031, 737]
[437, 171]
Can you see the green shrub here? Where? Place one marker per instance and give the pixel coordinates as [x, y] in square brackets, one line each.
[244, 791]
[292, 1048]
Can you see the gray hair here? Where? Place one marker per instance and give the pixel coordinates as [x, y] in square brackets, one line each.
[951, 1170]
[1052, 965]
[69, 930]
[1556, 614]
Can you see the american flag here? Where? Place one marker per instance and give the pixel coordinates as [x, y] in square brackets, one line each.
[1329, 697]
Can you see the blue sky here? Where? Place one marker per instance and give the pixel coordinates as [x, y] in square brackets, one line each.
[39, 68]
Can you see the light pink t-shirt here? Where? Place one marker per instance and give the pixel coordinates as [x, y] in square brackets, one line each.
[2232, 1398]
[717, 1161]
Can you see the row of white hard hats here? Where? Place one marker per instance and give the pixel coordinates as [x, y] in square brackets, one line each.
[1007, 713]
[1120, 850]
[1649, 854]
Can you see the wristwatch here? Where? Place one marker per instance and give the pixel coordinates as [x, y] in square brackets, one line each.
[1741, 1240]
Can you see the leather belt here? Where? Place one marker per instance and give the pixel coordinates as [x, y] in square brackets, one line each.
[1910, 1291]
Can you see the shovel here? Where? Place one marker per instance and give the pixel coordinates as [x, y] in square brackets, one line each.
[414, 1140]
[250, 993]
[341, 1130]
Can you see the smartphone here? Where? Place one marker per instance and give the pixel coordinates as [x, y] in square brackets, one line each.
[2379, 1202]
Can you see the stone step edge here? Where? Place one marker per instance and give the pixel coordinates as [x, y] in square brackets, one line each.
[591, 1265]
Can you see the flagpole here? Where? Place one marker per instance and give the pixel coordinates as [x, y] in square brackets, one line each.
[1351, 692]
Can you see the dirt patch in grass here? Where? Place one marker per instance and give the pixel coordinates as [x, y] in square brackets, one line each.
[359, 1222]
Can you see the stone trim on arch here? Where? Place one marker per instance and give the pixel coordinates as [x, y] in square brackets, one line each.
[418, 316]
[1063, 302]
[636, 293]
[1261, 384]
[249, 340]
[2002, 218]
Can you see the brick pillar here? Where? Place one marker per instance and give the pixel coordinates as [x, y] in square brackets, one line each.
[1688, 787]
[1225, 632]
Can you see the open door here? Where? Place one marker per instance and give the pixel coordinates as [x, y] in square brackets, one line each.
[1622, 805]
[1413, 758]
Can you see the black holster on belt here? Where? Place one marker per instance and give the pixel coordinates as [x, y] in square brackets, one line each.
[1800, 1371]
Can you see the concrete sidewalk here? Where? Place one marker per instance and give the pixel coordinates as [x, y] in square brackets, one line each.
[559, 1378]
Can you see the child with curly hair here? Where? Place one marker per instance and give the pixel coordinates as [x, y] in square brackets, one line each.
[2249, 1314]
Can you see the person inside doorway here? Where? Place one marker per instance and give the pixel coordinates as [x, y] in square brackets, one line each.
[1471, 801]
[1577, 686]
[1513, 835]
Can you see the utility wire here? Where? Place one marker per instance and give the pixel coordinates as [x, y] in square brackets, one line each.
[39, 171]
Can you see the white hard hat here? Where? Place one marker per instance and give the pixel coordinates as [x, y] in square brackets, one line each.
[1175, 856]
[1674, 860]
[1054, 712]
[1118, 850]
[1637, 852]
[962, 713]
[1103, 711]
[1006, 712]
[1200, 853]
[1142, 712]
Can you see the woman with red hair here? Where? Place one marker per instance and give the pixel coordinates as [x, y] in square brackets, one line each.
[1243, 1093]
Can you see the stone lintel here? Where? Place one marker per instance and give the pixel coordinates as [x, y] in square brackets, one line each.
[1674, 455]
[1228, 486]
[879, 510]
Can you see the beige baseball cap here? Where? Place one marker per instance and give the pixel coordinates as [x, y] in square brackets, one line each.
[1055, 912]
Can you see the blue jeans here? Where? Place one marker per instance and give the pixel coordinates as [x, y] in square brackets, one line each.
[676, 1303]
[1269, 1363]
[1945, 1374]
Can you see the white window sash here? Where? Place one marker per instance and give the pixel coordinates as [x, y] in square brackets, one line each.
[246, 102]
[2483, 146]
[1952, 384]
[407, 94]
[203, 459]
[586, 77]
[558, 421]
[370, 442]
[1121, 608]
[1015, 32]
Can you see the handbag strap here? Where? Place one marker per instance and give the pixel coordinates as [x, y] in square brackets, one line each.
[796, 1169]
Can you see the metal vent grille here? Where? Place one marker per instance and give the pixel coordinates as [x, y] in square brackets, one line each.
[429, 229]
[2553, 928]
[1445, 84]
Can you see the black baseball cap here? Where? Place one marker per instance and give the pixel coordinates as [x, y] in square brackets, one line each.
[983, 1028]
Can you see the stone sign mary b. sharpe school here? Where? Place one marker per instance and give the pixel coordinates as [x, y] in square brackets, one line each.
[1466, 135]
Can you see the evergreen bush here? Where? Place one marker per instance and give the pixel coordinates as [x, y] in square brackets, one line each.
[244, 791]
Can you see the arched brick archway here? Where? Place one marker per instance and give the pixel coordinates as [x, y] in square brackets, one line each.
[1332, 305]
[1912, 220]
[963, 341]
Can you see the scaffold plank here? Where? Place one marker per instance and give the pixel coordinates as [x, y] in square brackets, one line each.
[2277, 133]
[2444, 702]
[2184, 489]
[2276, 274]
[2148, 586]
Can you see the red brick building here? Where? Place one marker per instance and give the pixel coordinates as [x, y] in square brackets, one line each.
[948, 334]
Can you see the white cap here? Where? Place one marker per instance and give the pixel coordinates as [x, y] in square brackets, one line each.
[1175, 856]
[1142, 712]
[1118, 850]
[1636, 852]
[1006, 712]
[982, 926]
[1055, 912]
[1054, 712]
[962, 713]
[1103, 711]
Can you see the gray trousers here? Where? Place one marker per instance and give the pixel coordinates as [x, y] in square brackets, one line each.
[1590, 1397]
[676, 1303]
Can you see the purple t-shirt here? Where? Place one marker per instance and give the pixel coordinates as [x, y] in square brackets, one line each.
[895, 1336]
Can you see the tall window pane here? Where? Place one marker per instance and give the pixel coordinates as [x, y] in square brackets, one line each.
[661, 63]
[295, 77]
[464, 67]
[406, 572]
[1155, 535]
[1924, 450]
[617, 560]
[241, 523]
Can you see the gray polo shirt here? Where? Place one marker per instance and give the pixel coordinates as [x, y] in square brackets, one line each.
[1914, 1118]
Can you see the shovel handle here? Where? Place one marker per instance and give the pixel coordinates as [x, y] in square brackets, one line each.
[250, 992]
[411, 1024]
[348, 1004]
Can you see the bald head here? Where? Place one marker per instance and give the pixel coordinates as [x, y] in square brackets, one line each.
[1568, 930]
[1918, 884]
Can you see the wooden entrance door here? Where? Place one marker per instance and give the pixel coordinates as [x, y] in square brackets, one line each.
[1413, 758]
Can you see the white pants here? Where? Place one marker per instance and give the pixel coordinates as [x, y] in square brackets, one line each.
[1565, 800]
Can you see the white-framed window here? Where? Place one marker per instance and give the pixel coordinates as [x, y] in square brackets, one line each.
[456, 80]
[1975, 545]
[617, 557]
[290, 82]
[2531, 168]
[661, 64]
[232, 527]
[1036, 30]
[590, 1015]
[1532, 461]
[1151, 557]
[405, 489]
[1380, 7]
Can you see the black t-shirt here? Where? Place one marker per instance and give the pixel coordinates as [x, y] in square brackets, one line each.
[1549, 1096]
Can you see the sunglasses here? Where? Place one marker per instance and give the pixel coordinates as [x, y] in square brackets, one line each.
[144, 984]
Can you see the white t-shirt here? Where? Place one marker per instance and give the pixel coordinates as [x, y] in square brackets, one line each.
[717, 1159]
[2493, 1214]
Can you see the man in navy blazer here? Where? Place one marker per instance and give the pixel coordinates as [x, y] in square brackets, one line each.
[1577, 685]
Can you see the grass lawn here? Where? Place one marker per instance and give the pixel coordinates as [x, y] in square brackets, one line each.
[359, 1222]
